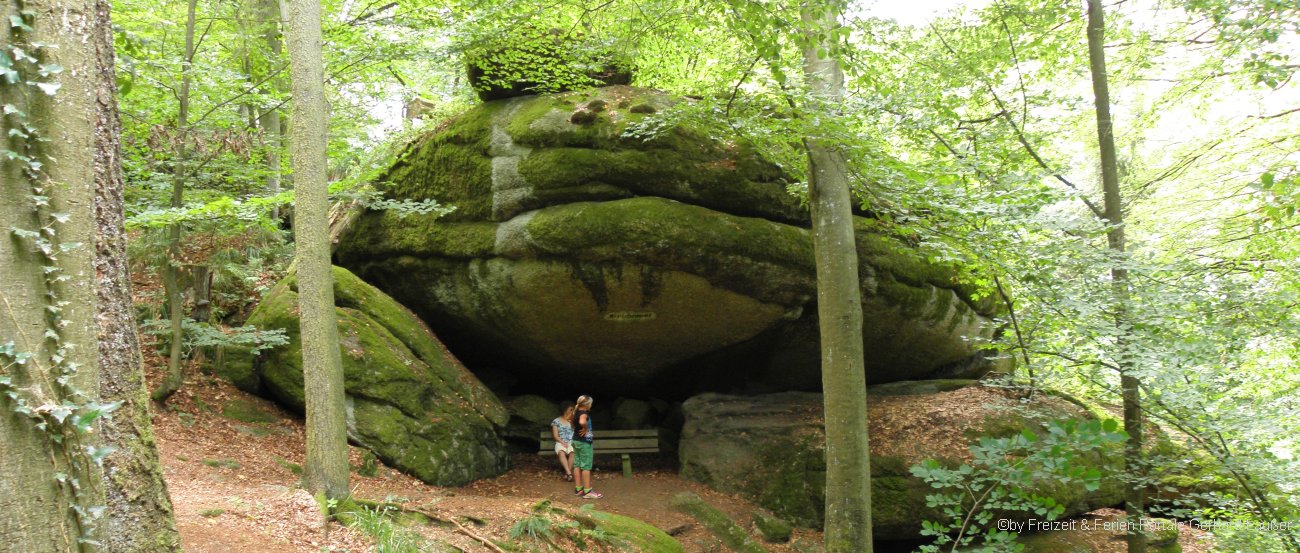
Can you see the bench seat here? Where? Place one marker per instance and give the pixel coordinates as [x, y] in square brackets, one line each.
[610, 442]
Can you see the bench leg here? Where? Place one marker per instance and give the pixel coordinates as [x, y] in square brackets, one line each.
[627, 466]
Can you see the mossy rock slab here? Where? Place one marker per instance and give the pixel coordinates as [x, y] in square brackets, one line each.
[408, 399]
[636, 534]
[770, 449]
[678, 261]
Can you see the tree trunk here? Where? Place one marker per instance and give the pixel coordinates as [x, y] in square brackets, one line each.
[139, 515]
[269, 19]
[839, 301]
[170, 268]
[1114, 214]
[47, 297]
[201, 275]
[326, 469]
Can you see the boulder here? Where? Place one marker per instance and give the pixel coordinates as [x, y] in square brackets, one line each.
[531, 60]
[770, 449]
[408, 399]
[628, 253]
[529, 416]
[632, 414]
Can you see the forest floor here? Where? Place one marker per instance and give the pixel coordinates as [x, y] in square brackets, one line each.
[234, 486]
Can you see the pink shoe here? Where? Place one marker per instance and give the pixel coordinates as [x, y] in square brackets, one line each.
[592, 495]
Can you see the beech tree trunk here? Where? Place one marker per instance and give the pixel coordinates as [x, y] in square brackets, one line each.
[839, 300]
[48, 315]
[139, 516]
[1114, 214]
[326, 469]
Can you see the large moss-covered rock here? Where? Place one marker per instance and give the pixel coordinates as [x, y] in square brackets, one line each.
[408, 399]
[531, 60]
[582, 252]
[771, 448]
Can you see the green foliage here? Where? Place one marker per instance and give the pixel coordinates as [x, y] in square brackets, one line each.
[533, 527]
[369, 465]
[204, 335]
[388, 536]
[998, 479]
[969, 136]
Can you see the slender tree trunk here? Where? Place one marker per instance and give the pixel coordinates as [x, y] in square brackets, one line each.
[1114, 213]
[269, 120]
[326, 469]
[839, 301]
[171, 267]
[48, 352]
[139, 516]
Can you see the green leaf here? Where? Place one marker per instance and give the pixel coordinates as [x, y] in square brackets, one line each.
[16, 22]
[48, 88]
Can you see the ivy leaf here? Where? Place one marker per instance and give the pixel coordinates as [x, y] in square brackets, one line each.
[48, 88]
[97, 454]
[16, 22]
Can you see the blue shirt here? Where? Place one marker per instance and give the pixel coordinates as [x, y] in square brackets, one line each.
[564, 429]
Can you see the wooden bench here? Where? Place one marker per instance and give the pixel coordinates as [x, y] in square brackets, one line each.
[622, 442]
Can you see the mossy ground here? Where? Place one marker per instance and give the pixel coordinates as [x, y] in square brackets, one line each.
[247, 411]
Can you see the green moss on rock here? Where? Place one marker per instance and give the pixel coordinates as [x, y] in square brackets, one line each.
[589, 211]
[717, 522]
[409, 400]
[639, 535]
[774, 529]
[770, 449]
[529, 60]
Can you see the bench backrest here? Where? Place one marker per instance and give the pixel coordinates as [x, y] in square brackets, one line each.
[613, 441]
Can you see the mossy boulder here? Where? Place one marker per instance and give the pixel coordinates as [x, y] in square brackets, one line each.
[531, 60]
[675, 260]
[529, 416]
[771, 449]
[408, 399]
[637, 535]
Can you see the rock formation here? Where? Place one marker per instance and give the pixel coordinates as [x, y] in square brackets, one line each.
[771, 448]
[408, 399]
[584, 248]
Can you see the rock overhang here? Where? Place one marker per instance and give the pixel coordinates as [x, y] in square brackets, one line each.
[579, 252]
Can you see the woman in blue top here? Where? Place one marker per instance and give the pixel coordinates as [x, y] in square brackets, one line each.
[583, 436]
[562, 432]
